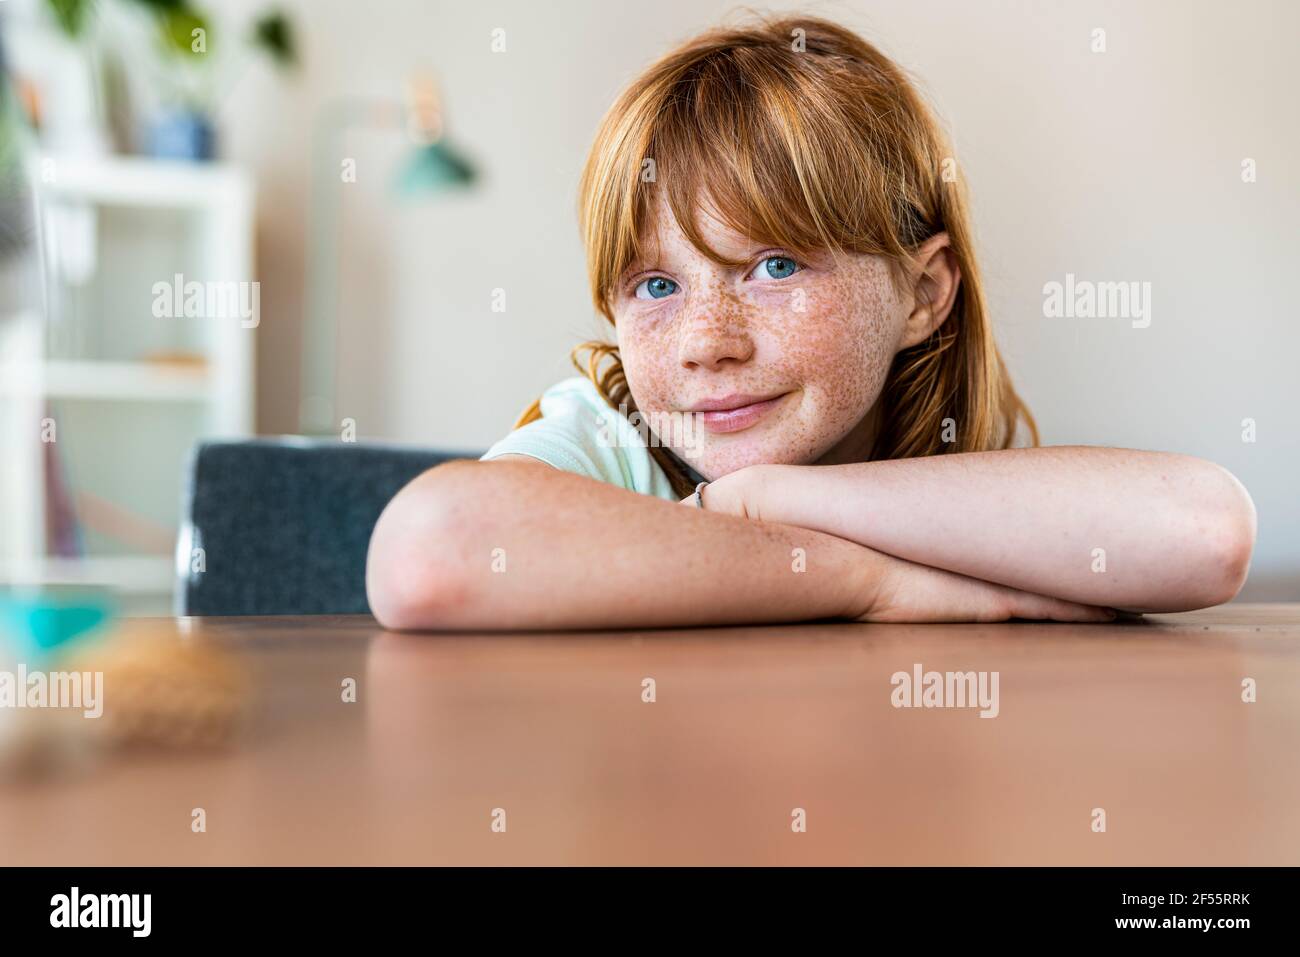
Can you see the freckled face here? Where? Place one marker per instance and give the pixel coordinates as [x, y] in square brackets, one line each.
[817, 336]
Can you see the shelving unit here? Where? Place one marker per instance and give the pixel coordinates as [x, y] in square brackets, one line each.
[138, 381]
[128, 392]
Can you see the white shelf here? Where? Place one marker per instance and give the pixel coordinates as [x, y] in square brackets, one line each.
[140, 182]
[127, 422]
[133, 574]
[140, 381]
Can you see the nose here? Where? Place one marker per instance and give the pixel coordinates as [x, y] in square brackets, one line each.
[715, 333]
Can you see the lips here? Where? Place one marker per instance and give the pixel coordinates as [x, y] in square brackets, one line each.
[735, 412]
[726, 403]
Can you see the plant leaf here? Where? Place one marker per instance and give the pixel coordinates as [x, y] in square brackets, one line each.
[273, 32]
[178, 26]
[70, 15]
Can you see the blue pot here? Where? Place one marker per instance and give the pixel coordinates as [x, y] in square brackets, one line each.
[182, 135]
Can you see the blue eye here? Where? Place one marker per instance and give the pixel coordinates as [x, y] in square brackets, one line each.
[656, 287]
[775, 267]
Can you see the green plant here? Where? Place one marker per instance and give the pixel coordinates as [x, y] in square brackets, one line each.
[182, 29]
[184, 72]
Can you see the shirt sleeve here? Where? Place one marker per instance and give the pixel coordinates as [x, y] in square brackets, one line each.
[557, 441]
[579, 433]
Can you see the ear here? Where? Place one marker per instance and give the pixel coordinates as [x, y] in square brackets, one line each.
[933, 280]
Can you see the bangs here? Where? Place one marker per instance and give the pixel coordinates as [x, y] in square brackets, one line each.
[788, 149]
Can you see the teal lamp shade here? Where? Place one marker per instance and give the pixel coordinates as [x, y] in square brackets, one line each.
[434, 168]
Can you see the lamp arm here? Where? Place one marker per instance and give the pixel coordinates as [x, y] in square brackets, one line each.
[318, 375]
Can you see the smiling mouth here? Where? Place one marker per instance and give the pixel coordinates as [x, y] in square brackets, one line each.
[742, 417]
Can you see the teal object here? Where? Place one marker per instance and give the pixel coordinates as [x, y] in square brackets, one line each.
[434, 168]
[37, 627]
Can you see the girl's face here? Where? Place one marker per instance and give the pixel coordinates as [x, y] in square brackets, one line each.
[811, 342]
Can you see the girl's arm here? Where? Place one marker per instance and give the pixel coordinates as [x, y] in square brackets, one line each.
[516, 544]
[510, 544]
[1138, 531]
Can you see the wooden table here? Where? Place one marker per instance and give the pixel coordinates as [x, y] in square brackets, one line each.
[1143, 719]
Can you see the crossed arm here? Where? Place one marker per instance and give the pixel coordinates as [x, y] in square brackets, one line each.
[1134, 530]
[1048, 533]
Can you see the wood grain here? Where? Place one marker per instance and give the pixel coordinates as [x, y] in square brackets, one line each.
[1144, 719]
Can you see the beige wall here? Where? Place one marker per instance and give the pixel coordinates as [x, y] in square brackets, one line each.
[1114, 166]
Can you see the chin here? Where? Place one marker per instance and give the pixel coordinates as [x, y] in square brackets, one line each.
[715, 463]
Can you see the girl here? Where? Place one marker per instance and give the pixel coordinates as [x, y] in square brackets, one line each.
[805, 361]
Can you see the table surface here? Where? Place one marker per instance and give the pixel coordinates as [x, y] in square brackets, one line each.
[1144, 719]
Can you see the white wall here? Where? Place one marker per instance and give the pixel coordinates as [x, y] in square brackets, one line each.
[1123, 165]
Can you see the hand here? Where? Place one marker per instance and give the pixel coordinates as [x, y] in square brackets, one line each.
[730, 494]
[907, 592]
[900, 590]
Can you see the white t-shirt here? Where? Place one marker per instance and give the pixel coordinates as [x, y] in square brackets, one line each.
[581, 432]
